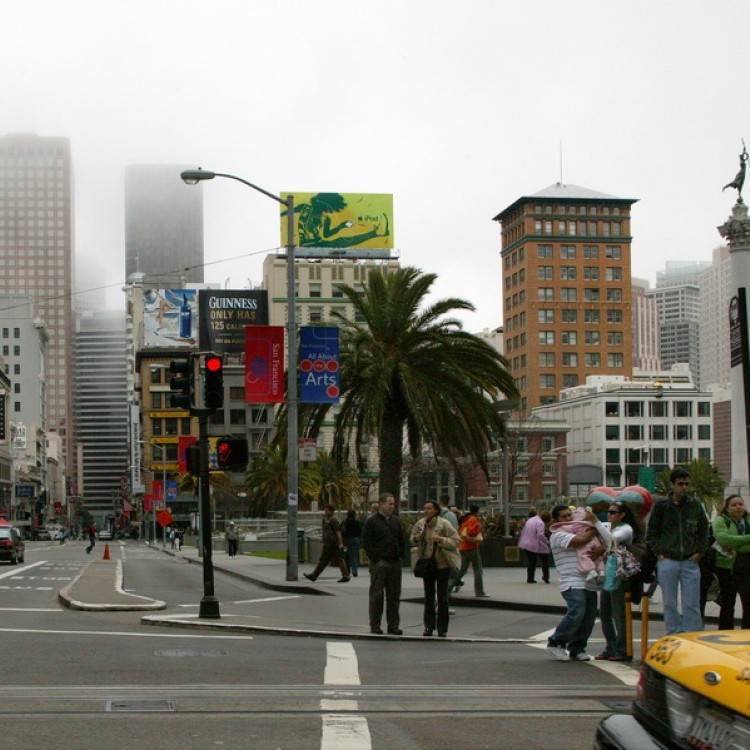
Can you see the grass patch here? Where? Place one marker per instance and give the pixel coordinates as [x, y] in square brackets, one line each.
[278, 555]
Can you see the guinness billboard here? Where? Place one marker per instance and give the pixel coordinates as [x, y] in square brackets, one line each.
[223, 315]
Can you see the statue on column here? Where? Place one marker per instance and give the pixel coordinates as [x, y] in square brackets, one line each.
[739, 179]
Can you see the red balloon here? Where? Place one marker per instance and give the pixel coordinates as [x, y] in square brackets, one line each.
[638, 498]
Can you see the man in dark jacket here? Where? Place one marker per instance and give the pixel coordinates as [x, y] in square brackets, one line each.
[333, 547]
[678, 536]
[383, 540]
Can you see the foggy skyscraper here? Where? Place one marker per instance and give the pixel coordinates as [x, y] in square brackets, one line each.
[163, 225]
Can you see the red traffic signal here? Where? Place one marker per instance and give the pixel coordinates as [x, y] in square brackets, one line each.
[231, 453]
[213, 381]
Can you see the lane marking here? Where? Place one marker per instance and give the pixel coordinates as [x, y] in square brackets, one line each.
[22, 569]
[120, 634]
[342, 731]
[252, 601]
[28, 609]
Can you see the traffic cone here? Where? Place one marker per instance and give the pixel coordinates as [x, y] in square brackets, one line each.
[106, 552]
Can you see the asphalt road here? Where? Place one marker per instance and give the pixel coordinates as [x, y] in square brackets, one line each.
[100, 680]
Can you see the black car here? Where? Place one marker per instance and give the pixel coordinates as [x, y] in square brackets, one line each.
[12, 546]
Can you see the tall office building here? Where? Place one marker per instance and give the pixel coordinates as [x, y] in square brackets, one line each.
[36, 254]
[101, 409]
[713, 338]
[163, 226]
[646, 341]
[566, 289]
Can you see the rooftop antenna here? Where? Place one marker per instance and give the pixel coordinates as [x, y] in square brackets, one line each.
[561, 164]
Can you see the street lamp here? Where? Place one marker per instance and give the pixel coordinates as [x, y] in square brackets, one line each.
[193, 177]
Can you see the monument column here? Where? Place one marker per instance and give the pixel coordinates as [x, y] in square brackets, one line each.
[736, 230]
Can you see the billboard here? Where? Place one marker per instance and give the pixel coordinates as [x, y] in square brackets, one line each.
[170, 317]
[223, 315]
[264, 364]
[341, 221]
[319, 365]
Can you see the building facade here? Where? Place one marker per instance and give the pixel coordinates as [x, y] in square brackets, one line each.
[646, 338]
[36, 255]
[163, 226]
[566, 289]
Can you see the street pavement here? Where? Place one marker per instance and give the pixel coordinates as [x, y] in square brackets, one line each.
[100, 587]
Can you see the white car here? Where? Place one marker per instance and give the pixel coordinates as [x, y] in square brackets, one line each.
[104, 535]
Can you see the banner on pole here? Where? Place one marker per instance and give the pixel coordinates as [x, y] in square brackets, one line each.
[264, 364]
[319, 365]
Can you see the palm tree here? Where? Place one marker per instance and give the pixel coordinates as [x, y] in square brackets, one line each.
[406, 368]
[337, 482]
[706, 483]
[266, 479]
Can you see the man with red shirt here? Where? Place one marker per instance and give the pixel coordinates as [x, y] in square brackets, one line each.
[470, 532]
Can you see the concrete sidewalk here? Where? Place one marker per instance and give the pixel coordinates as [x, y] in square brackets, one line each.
[325, 608]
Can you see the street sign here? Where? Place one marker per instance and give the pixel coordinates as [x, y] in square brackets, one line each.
[164, 518]
[308, 449]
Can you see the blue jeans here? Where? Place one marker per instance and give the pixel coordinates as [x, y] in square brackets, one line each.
[685, 575]
[352, 554]
[574, 629]
[612, 615]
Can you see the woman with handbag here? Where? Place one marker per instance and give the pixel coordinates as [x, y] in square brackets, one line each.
[732, 532]
[437, 541]
[624, 531]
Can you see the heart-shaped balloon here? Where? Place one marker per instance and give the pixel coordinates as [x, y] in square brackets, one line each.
[638, 498]
[599, 498]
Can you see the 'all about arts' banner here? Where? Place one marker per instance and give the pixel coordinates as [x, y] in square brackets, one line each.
[319, 381]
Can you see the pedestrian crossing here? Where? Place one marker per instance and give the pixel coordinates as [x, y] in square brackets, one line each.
[39, 576]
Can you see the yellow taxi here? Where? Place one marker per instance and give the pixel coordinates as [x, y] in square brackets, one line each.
[693, 693]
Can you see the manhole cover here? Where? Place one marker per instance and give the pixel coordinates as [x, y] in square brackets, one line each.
[141, 705]
[182, 653]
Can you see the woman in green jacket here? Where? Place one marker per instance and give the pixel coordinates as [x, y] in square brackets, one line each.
[732, 533]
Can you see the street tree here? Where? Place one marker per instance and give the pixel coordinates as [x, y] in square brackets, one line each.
[411, 374]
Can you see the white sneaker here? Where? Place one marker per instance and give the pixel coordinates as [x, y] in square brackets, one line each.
[558, 653]
[582, 656]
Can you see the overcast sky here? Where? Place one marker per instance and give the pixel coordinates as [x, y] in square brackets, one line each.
[457, 108]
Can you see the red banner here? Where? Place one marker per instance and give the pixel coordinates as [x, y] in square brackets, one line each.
[148, 503]
[264, 364]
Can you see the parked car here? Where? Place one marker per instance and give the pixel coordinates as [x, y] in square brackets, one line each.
[693, 692]
[43, 535]
[12, 546]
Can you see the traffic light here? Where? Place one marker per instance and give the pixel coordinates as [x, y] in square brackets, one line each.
[193, 459]
[213, 382]
[231, 453]
[182, 383]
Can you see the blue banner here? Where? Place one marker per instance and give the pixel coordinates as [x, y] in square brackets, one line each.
[319, 381]
[171, 490]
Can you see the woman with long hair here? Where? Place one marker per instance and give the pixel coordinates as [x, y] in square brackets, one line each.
[732, 534]
[624, 531]
[436, 539]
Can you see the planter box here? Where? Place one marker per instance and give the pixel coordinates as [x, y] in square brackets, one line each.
[501, 552]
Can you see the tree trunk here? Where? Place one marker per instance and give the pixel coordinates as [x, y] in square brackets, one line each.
[391, 453]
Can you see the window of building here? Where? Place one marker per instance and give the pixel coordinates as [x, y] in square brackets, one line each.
[545, 273]
[614, 338]
[683, 432]
[704, 432]
[156, 427]
[592, 359]
[316, 290]
[660, 455]
[237, 416]
[544, 252]
[546, 337]
[683, 409]
[658, 431]
[615, 359]
[569, 381]
[568, 252]
[705, 454]
[613, 252]
[545, 294]
[634, 432]
[17, 351]
[236, 393]
[591, 338]
[612, 432]
[548, 468]
[683, 455]
[16, 333]
[614, 295]
[611, 408]
[545, 315]
[634, 408]
[658, 408]
[6, 351]
[16, 387]
[156, 374]
[637, 455]
[591, 273]
[6, 331]
[590, 294]
[568, 294]
[612, 455]
[157, 400]
[546, 381]
[522, 492]
[704, 408]
[568, 273]
[591, 316]
[614, 317]
[591, 252]
[570, 359]
[568, 316]
[184, 425]
[315, 314]
[614, 273]
[569, 338]
[170, 426]
[546, 359]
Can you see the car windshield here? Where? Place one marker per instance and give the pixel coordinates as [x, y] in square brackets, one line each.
[4, 533]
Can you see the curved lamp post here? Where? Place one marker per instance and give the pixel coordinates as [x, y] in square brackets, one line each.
[193, 177]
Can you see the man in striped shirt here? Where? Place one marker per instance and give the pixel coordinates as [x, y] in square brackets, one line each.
[570, 638]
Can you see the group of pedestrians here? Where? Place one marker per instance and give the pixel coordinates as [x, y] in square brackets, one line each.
[678, 538]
